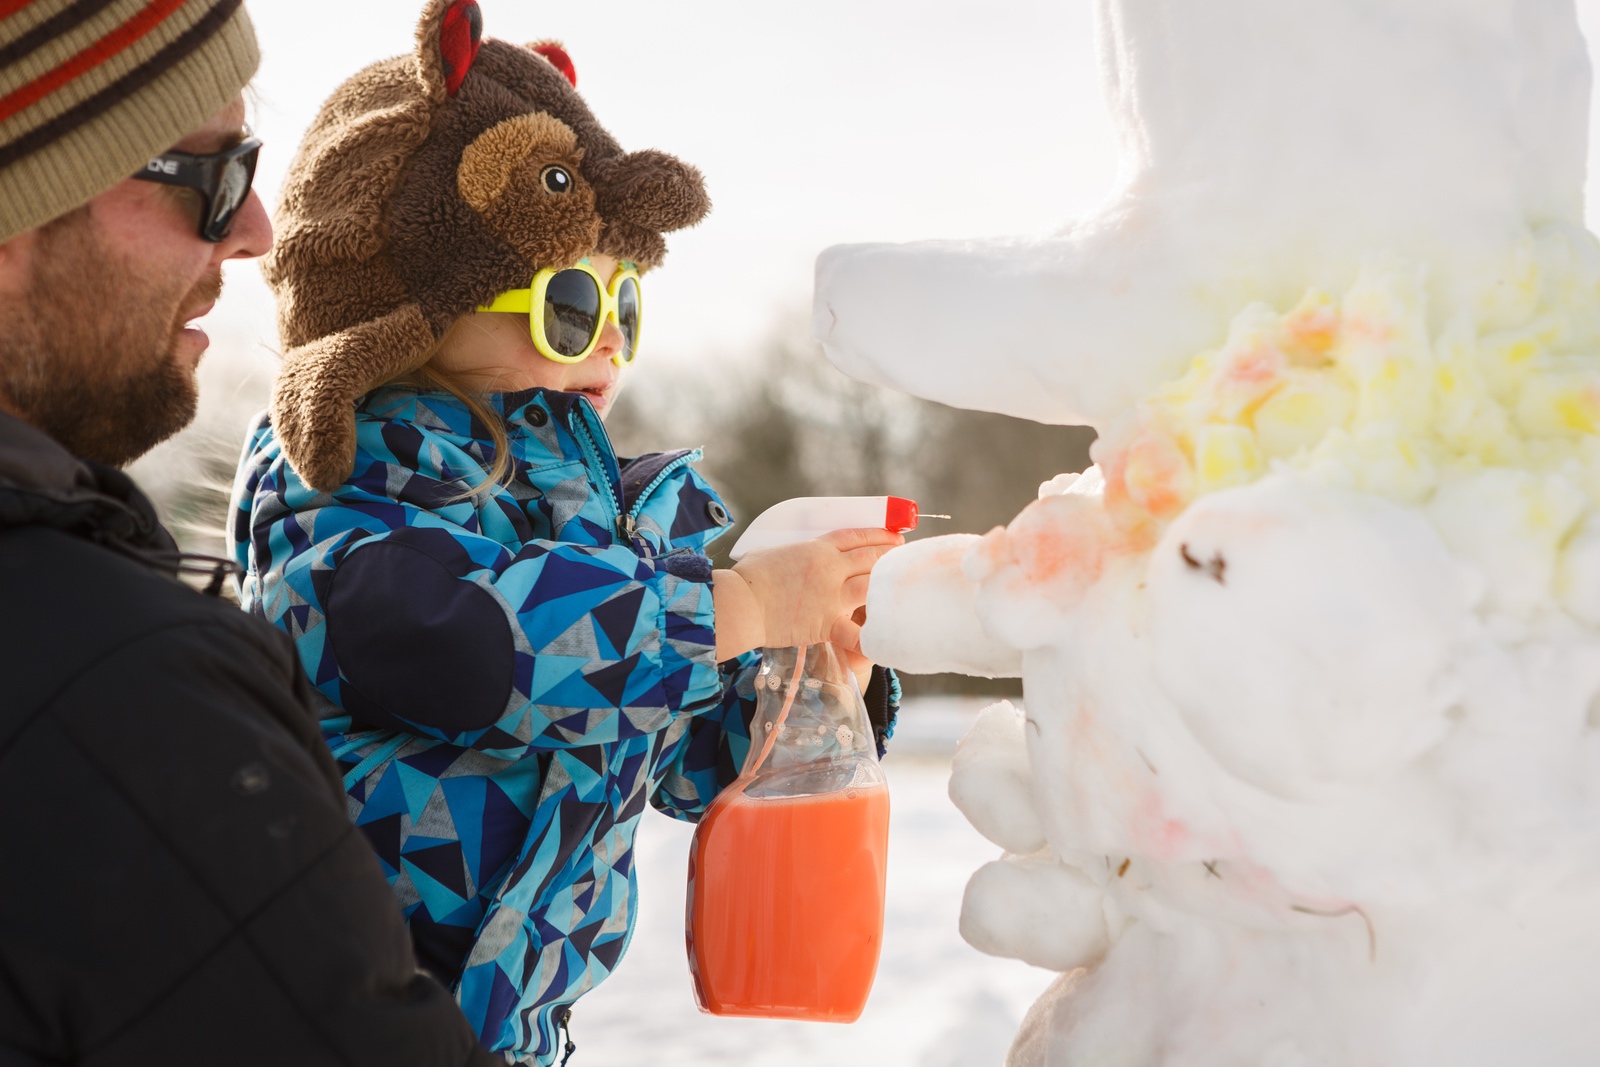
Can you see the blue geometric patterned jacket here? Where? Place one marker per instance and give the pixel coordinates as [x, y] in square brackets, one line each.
[510, 677]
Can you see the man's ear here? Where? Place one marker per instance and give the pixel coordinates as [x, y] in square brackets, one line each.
[448, 37]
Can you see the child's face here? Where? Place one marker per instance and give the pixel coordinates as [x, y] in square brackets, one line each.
[492, 352]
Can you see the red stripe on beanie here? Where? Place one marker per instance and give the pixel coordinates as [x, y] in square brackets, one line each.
[106, 48]
[11, 7]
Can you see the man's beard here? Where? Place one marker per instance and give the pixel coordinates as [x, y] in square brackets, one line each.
[91, 356]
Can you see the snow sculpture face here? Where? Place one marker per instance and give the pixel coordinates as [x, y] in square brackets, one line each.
[1310, 771]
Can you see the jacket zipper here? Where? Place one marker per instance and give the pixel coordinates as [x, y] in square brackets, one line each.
[627, 522]
[624, 524]
[692, 456]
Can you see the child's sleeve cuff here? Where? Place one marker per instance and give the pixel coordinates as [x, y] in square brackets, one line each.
[883, 705]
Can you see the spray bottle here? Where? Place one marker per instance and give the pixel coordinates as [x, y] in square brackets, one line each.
[787, 870]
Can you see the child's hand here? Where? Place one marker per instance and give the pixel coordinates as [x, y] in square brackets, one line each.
[859, 665]
[799, 594]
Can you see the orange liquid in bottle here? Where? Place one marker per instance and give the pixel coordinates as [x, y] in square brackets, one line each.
[786, 916]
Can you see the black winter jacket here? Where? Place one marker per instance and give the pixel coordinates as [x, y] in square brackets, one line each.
[179, 882]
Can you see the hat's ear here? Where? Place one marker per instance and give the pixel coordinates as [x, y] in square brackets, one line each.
[447, 43]
[314, 398]
[556, 53]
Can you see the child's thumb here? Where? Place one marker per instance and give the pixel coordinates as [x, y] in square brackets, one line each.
[862, 537]
[845, 634]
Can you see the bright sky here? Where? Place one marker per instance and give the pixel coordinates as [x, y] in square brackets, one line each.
[816, 123]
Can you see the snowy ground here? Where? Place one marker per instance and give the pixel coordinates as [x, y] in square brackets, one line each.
[937, 1002]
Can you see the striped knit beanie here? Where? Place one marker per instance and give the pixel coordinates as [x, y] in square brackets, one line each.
[90, 90]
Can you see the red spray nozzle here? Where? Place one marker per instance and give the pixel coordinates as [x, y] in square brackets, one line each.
[900, 515]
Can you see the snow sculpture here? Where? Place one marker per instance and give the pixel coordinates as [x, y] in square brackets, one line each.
[1310, 772]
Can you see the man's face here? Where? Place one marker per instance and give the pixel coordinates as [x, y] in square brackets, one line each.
[95, 346]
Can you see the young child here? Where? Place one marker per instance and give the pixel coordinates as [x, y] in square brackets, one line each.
[519, 636]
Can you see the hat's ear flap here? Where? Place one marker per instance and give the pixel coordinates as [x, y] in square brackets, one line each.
[447, 44]
[314, 398]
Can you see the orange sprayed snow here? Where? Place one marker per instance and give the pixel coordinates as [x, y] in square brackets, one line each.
[1247, 379]
[1356, 328]
[1156, 474]
[1157, 834]
[1061, 538]
[988, 557]
[1309, 332]
[1258, 366]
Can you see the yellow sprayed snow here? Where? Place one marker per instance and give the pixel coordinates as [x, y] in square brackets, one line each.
[1366, 390]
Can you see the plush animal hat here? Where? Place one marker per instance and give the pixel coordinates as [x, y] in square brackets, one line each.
[428, 185]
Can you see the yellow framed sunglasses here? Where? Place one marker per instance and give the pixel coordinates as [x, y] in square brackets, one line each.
[567, 310]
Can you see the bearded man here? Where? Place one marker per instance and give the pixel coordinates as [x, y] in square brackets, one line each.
[178, 880]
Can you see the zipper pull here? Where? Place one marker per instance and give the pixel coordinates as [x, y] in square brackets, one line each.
[564, 1021]
[627, 527]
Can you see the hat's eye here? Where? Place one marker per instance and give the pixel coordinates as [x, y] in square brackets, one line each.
[556, 179]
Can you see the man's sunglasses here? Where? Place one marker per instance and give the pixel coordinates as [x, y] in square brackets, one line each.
[222, 179]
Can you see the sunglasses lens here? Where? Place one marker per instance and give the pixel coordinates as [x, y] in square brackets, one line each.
[233, 187]
[571, 312]
[628, 317]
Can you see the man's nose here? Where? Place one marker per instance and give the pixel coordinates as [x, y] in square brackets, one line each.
[251, 235]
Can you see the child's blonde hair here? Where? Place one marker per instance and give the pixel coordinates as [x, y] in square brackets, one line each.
[433, 379]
